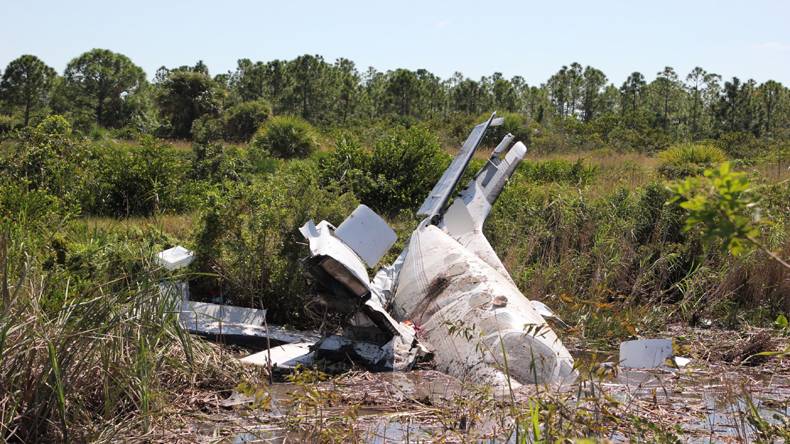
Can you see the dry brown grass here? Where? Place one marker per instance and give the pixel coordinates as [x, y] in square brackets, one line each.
[176, 225]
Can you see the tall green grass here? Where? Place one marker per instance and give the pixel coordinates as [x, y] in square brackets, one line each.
[89, 347]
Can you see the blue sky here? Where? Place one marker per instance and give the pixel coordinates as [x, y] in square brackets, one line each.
[748, 39]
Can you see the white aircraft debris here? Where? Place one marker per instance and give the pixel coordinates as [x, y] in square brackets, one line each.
[645, 353]
[447, 292]
[175, 258]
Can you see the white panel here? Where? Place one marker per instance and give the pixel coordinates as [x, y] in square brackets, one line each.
[285, 356]
[367, 234]
[457, 220]
[645, 353]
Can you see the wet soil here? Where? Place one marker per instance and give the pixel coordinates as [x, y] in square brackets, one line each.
[712, 399]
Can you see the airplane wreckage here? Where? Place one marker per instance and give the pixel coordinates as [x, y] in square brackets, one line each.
[447, 295]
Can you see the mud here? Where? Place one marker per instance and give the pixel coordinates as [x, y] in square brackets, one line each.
[707, 401]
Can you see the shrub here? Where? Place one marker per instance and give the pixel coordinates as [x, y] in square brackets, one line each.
[6, 124]
[242, 120]
[398, 174]
[689, 159]
[138, 181]
[53, 126]
[48, 158]
[514, 123]
[558, 170]
[286, 137]
[248, 238]
[206, 128]
[738, 144]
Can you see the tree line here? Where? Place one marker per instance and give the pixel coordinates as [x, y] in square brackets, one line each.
[106, 89]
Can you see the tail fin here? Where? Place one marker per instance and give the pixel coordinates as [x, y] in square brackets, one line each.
[436, 202]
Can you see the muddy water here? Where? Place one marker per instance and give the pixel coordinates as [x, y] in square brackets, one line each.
[698, 404]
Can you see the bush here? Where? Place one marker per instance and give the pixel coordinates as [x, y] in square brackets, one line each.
[242, 120]
[6, 124]
[688, 159]
[738, 144]
[138, 181]
[558, 170]
[398, 174]
[49, 159]
[248, 238]
[286, 137]
[206, 129]
[54, 126]
[514, 123]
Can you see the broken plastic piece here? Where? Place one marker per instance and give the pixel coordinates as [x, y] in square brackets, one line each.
[645, 353]
[681, 362]
[175, 258]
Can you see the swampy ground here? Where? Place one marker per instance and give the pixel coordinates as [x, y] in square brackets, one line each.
[717, 397]
[603, 235]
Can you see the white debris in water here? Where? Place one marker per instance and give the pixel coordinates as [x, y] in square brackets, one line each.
[645, 353]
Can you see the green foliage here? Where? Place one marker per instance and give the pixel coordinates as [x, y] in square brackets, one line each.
[86, 331]
[48, 158]
[286, 137]
[54, 126]
[139, 180]
[722, 204]
[7, 124]
[183, 95]
[248, 237]
[558, 170]
[397, 174]
[101, 81]
[207, 128]
[242, 120]
[26, 82]
[689, 159]
[514, 123]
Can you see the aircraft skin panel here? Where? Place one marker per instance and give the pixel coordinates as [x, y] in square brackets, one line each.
[443, 284]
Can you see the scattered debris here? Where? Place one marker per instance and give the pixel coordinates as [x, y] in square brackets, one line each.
[448, 284]
[746, 350]
[447, 294]
[645, 353]
[175, 258]
[680, 361]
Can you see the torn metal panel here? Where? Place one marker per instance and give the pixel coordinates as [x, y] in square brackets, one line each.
[442, 191]
[367, 234]
[284, 357]
[334, 262]
[236, 325]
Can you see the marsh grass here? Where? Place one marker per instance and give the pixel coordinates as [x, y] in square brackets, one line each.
[84, 362]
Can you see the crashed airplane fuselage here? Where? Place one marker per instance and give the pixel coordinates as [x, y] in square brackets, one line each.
[447, 292]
